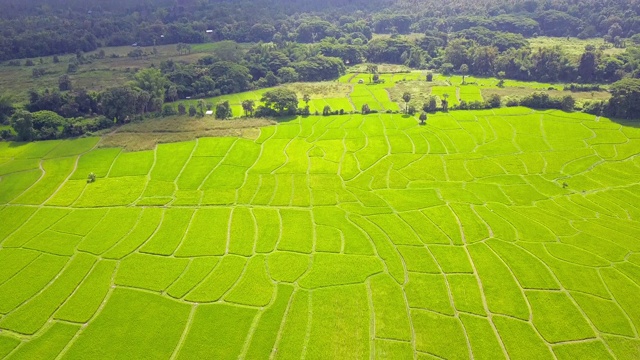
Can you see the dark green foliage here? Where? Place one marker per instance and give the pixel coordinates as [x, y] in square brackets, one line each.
[319, 68]
[22, 123]
[168, 110]
[223, 111]
[495, 101]
[283, 101]
[181, 109]
[540, 100]
[64, 83]
[120, 103]
[625, 100]
[6, 107]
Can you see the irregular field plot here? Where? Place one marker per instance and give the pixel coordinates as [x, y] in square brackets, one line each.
[330, 238]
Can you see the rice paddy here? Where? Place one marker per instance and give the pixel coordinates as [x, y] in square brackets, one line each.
[509, 233]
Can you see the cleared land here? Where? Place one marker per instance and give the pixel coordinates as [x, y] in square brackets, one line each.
[486, 234]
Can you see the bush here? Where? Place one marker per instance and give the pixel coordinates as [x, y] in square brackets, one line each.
[568, 103]
[168, 110]
[6, 134]
[494, 101]
[91, 178]
[29, 62]
[595, 107]
[581, 88]
[511, 102]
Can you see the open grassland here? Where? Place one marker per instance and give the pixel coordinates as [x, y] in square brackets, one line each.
[574, 47]
[495, 234]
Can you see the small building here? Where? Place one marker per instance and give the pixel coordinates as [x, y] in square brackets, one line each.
[209, 112]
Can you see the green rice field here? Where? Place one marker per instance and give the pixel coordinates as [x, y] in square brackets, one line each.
[508, 233]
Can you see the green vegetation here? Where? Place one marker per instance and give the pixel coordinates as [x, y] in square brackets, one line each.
[454, 238]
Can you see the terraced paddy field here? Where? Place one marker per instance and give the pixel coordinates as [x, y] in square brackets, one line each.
[486, 235]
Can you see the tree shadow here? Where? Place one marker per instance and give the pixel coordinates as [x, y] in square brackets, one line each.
[286, 118]
[626, 122]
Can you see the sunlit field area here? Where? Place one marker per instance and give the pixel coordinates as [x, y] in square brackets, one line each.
[506, 233]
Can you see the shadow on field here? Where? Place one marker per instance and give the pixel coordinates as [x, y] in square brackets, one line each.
[627, 122]
[284, 119]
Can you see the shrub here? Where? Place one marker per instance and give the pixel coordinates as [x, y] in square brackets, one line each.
[168, 110]
[511, 102]
[91, 178]
[181, 109]
[494, 101]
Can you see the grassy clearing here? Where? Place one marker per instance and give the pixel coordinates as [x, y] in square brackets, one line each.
[329, 237]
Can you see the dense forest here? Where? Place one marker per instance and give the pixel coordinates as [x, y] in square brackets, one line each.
[38, 28]
[310, 41]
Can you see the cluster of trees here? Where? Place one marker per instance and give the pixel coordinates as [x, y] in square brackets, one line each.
[33, 28]
[47, 125]
[483, 52]
[229, 70]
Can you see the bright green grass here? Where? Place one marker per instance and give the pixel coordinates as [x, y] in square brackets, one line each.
[32, 315]
[97, 161]
[128, 327]
[49, 345]
[86, 299]
[254, 287]
[230, 325]
[330, 237]
[340, 324]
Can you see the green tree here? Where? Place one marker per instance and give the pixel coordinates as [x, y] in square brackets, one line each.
[120, 102]
[288, 74]
[588, 65]
[152, 81]
[22, 123]
[6, 107]
[192, 110]
[366, 109]
[568, 103]
[168, 110]
[64, 83]
[248, 106]
[202, 105]
[326, 111]
[182, 110]
[283, 101]
[445, 102]
[423, 118]
[372, 70]
[306, 98]
[625, 99]
[406, 97]
[464, 70]
[223, 111]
